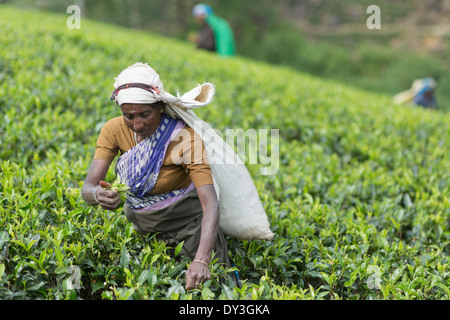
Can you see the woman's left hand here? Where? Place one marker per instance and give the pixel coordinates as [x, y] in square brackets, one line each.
[196, 274]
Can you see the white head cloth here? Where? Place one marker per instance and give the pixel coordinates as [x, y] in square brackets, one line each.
[142, 73]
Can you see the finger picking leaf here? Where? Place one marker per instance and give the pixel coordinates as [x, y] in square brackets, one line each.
[121, 188]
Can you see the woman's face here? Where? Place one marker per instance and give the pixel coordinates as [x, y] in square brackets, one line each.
[143, 119]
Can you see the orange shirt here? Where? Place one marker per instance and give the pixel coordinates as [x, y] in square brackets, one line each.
[185, 160]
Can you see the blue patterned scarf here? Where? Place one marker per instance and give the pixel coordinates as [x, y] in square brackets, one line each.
[139, 167]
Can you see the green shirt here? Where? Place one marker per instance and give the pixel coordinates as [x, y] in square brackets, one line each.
[223, 35]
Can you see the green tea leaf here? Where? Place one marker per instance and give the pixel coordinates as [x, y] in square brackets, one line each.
[124, 257]
[121, 188]
[178, 248]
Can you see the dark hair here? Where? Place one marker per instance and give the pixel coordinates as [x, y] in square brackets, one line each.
[159, 105]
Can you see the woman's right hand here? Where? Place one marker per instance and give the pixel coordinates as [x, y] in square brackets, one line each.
[107, 198]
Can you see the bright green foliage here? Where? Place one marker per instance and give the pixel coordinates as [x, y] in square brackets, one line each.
[360, 205]
[121, 188]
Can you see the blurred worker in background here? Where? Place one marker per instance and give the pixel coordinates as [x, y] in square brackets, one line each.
[426, 96]
[422, 93]
[216, 34]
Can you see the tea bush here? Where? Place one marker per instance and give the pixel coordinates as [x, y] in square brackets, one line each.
[360, 204]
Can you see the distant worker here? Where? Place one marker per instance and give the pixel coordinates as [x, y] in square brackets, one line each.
[216, 34]
[421, 93]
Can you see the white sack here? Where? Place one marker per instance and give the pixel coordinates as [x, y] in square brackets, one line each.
[241, 212]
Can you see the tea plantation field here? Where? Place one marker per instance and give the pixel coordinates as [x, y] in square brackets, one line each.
[360, 205]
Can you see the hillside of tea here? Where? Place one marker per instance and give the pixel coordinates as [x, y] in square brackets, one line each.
[359, 205]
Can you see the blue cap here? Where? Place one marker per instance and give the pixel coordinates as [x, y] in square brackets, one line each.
[202, 10]
[429, 84]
